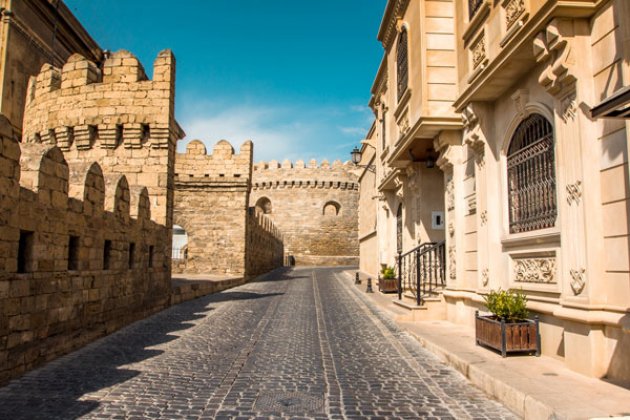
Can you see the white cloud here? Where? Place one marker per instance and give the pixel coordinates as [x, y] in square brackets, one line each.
[358, 131]
[292, 131]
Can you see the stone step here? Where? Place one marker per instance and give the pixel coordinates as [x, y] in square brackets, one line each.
[433, 308]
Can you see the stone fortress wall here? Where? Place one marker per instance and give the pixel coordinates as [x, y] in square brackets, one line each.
[79, 254]
[314, 206]
[211, 204]
[85, 206]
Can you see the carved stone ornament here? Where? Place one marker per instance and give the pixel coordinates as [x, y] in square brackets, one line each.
[469, 118]
[483, 217]
[578, 281]
[574, 192]
[452, 265]
[568, 107]
[403, 125]
[450, 194]
[479, 147]
[520, 98]
[535, 270]
[552, 47]
[485, 277]
[513, 10]
[478, 51]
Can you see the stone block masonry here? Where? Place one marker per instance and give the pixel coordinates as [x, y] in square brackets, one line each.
[314, 207]
[80, 256]
[211, 204]
[112, 115]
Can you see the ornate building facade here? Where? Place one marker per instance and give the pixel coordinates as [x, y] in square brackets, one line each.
[533, 184]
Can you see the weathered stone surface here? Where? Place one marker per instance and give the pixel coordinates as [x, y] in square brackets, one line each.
[315, 208]
[296, 344]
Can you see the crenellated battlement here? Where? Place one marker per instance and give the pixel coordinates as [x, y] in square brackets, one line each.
[275, 175]
[82, 106]
[300, 164]
[39, 181]
[113, 115]
[222, 165]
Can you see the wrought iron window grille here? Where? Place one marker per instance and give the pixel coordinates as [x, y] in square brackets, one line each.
[531, 176]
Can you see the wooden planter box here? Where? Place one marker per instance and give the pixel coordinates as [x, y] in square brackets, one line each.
[508, 337]
[387, 285]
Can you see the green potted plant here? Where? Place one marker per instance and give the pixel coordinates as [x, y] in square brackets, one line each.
[507, 330]
[387, 281]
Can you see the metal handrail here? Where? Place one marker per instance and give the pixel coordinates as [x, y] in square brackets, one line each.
[422, 270]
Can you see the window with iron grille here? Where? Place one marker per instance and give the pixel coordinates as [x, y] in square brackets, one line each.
[532, 176]
[473, 6]
[399, 228]
[402, 63]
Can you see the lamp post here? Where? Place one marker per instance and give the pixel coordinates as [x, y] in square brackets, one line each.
[356, 158]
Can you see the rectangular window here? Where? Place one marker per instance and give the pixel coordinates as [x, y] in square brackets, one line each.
[151, 256]
[132, 255]
[107, 254]
[25, 251]
[73, 253]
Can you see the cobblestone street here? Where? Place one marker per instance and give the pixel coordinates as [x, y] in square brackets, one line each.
[300, 343]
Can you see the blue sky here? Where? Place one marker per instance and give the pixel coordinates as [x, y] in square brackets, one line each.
[293, 76]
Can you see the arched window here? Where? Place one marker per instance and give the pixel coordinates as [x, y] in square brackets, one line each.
[331, 208]
[402, 62]
[399, 228]
[180, 243]
[264, 205]
[532, 176]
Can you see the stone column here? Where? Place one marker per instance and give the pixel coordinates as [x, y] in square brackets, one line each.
[475, 138]
[559, 47]
[450, 162]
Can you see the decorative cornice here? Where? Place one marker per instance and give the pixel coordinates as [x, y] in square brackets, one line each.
[394, 11]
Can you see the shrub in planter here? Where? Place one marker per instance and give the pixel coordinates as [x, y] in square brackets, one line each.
[507, 329]
[387, 281]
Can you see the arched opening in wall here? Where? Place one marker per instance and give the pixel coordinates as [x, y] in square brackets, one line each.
[263, 205]
[331, 208]
[399, 228]
[180, 244]
[532, 176]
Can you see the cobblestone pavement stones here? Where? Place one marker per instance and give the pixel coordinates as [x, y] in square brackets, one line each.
[297, 344]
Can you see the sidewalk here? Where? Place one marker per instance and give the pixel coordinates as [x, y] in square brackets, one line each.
[532, 387]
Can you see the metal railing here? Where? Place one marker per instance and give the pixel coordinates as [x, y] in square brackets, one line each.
[473, 6]
[422, 271]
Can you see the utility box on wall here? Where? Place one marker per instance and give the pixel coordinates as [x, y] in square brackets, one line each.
[437, 220]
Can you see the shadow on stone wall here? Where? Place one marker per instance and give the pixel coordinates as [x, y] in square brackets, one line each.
[57, 390]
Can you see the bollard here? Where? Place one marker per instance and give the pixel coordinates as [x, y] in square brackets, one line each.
[369, 286]
[357, 280]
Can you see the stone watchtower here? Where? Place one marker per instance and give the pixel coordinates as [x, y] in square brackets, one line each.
[115, 116]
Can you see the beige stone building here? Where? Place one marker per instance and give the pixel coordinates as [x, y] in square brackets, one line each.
[514, 98]
[34, 33]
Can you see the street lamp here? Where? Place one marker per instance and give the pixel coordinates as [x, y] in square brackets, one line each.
[356, 158]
